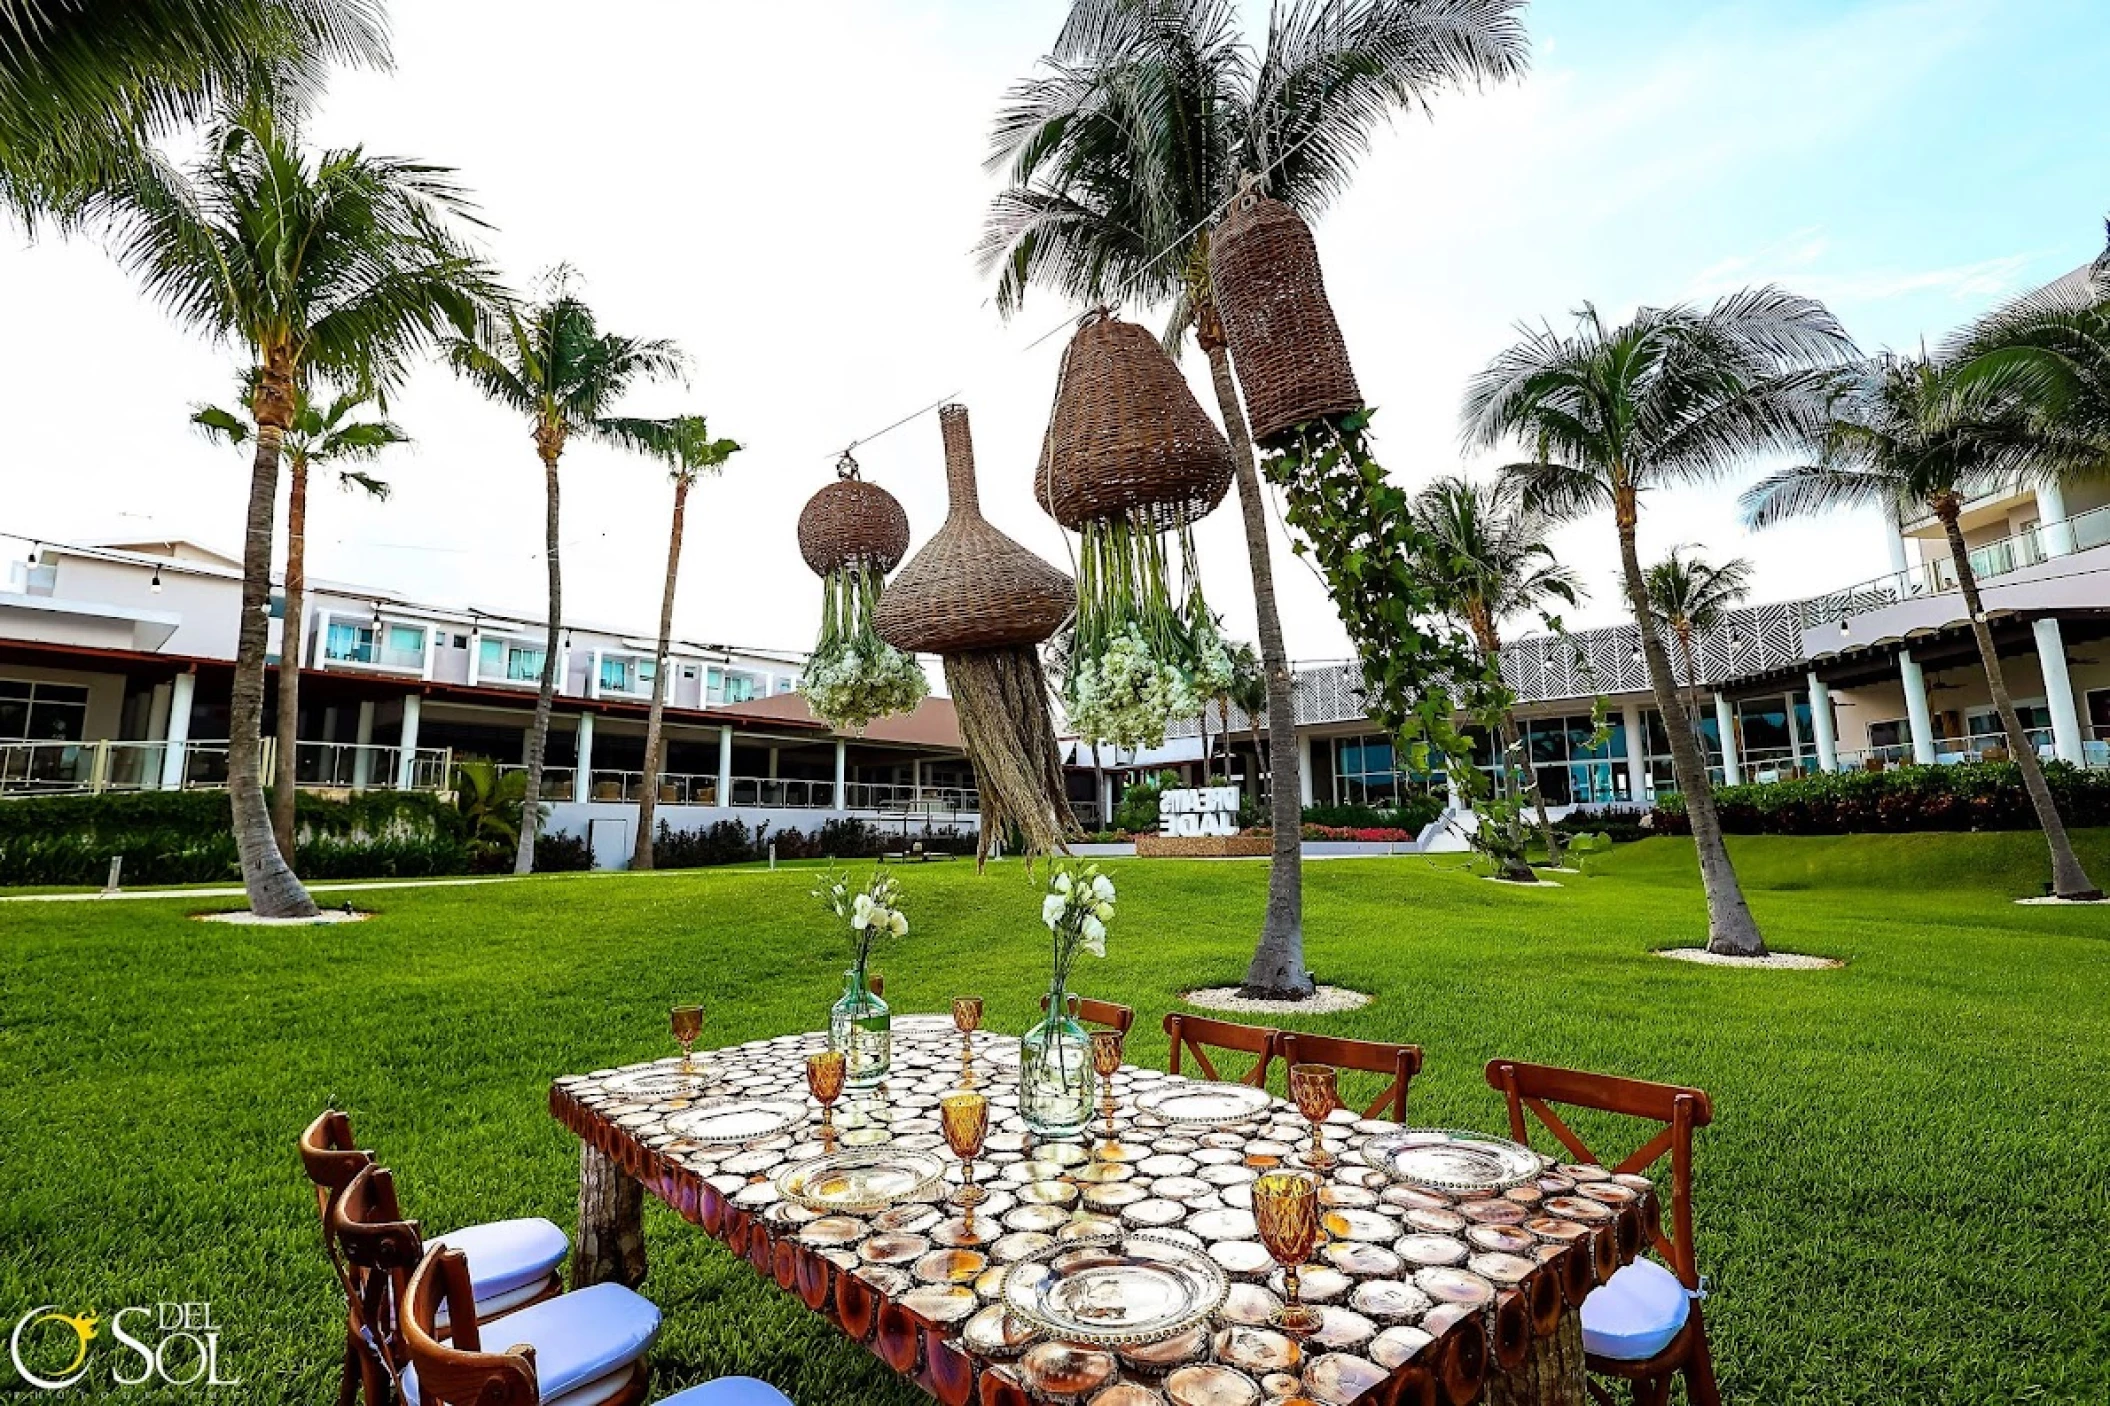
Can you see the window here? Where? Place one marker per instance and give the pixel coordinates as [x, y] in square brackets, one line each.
[349, 644]
[1573, 767]
[404, 647]
[1363, 772]
[514, 663]
[625, 674]
[42, 712]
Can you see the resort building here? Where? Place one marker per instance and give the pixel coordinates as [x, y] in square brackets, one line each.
[116, 668]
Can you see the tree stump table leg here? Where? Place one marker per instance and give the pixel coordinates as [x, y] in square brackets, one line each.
[610, 1244]
[1551, 1375]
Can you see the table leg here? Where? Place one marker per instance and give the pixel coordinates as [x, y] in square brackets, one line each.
[610, 1244]
[1551, 1375]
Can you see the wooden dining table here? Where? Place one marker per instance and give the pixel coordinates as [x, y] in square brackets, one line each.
[1429, 1297]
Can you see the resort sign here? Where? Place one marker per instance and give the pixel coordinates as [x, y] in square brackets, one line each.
[1206, 810]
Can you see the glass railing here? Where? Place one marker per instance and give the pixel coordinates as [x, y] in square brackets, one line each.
[1989, 562]
[62, 767]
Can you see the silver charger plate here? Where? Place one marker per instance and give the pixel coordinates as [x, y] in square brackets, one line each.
[1141, 1289]
[667, 1082]
[737, 1119]
[1197, 1104]
[861, 1180]
[1447, 1159]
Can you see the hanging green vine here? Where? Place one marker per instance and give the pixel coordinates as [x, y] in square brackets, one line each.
[853, 676]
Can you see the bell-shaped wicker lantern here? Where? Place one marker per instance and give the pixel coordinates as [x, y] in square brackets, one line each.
[1291, 360]
[985, 603]
[1127, 439]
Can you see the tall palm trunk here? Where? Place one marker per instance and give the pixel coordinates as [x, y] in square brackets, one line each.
[1100, 803]
[549, 444]
[273, 891]
[285, 778]
[1692, 677]
[1514, 866]
[648, 802]
[1277, 969]
[2068, 879]
[1731, 930]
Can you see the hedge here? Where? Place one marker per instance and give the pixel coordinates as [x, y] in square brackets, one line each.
[1413, 813]
[187, 837]
[1965, 796]
[732, 842]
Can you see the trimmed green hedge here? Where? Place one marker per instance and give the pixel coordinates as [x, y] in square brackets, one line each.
[1966, 796]
[187, 837]
[1413, 814]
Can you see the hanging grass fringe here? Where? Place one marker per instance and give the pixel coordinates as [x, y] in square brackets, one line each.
[1009, 735]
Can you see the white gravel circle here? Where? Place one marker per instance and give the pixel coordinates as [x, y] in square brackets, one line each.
[1775, 961]
[2049, 901]
[1226, 998]
[245, 918]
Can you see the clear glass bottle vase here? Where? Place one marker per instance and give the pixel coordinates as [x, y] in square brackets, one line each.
[1055, 1079]
[861, 1026]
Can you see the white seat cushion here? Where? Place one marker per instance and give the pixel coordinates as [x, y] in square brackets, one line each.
[1634, 1315]
[507, 1254]
[728, 1391]
[579, 1339]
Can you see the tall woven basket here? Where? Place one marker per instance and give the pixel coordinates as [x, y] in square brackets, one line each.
[970, 587]
[851, 523]
[1291, 360]
[1127, 439]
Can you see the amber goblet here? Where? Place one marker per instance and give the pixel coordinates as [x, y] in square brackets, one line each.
[967, 1018]
[825, 1072]
[1286, 1205]
[1106, 1063]
[965, 1118]
[1316, 1089]
[687, 1024]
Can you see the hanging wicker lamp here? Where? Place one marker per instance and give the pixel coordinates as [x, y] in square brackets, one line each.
[985, 603]
[851, 523]
[971, 587]
[1292, 362]
[1127, 439]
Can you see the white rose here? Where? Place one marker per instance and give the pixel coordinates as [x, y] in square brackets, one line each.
[1103, 889]
[1051, 909]
[898, 924]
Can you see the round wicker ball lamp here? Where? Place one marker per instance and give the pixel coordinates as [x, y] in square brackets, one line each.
[1292, 362]
[852, 534]
[851, 523]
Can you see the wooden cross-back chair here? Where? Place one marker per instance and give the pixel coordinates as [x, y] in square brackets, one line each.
[331, 1160]
[460, 1370]
[1093, 1012]
[1402, 1062]
[1534, 1089]
[380, 1249]
[1196, 1035]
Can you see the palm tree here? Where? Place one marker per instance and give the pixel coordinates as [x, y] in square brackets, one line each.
[85, 83]
[1675, 395]
[1908, 432]
[1493, 564]
[1249, 689]
[552, 363]
[1691, 598]
[333, 439]
[338, 267]
[685, 444]
[1125, 149]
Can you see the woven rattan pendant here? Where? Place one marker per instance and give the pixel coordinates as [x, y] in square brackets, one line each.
[852, 533]
[985, 603]
[1292, 362]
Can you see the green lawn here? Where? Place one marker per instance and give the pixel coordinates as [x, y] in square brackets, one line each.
[1902, 1200]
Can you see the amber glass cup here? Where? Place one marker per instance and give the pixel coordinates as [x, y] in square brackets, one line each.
[1286, 1204]
[965, 1118]
[1316, 1089]
[687, 1024]
[1106, 1063]
[967, 1018]
[825, 1072]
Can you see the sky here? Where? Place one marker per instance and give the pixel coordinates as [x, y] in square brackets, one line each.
[794, 204]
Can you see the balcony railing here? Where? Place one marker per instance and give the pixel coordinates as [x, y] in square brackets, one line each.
[59, 768]
[781, 793]
[1989, 562]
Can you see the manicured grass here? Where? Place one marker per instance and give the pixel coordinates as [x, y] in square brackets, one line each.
[1902, 1199]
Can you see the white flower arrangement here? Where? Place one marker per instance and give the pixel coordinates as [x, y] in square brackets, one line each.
[859, 679]
[869, 913]
[1077, 908]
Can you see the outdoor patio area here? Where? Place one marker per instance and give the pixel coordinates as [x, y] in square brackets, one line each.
[1895, 1176]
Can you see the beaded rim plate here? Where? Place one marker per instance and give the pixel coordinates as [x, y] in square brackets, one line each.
[1448, 1159]
[665, 1082]
[862, 1179]
[737, 1119]
[1082, 1302]
[1199, 1104]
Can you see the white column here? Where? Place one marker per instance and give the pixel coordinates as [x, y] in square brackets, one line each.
[1895, 535]
[725, 766]
[842, 773]
[407, 749]
[1725, 723]
[178, 731]
[476, 656]
[916, 780]
[2053, 529]
[1636, 754]
[1304, 783]
[321, 660]
[582, 775]
[158, 712]
[363, 760]
[1916, 709]
[772, 764]
[2058, 690]
[593, 674]
[1821, 719]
